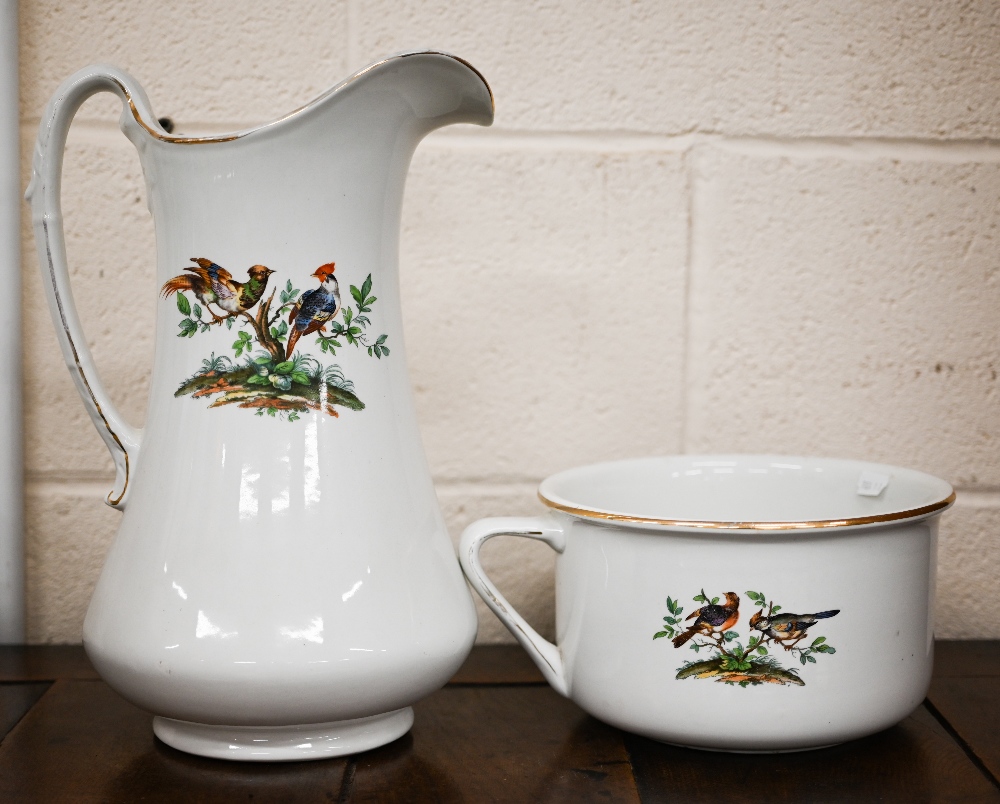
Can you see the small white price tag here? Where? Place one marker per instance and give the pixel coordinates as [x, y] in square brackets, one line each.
[871, 484]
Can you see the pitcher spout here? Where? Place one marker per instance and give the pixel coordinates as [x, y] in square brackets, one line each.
[435, 88]
[416, 92]
[442, 89]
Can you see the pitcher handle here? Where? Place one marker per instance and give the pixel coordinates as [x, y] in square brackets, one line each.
[43, 193]
[545, 529]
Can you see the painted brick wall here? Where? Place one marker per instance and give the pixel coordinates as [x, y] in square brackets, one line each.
[693, 227]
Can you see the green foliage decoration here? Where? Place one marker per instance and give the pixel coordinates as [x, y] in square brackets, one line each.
[354, 327]
[729, 660]
[267, 381]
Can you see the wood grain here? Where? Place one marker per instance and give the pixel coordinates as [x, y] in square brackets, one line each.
[84, 743]
[916, 761]
[974, 657]
[497, 744]
[487, 664]
[971, 706]
[494, 734]
[44, 663]
[498, 664]
[16, 700]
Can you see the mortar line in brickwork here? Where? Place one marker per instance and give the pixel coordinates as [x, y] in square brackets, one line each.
[980, 497]
[845, 148]
[697, 263]
[690, 181]
[865, 149]
[570, 141]
[97, 484]
[86, 477]
[986, 497]
[856, 148]
[69, 476]
[475, 485]
[352, 29]
[97, 489]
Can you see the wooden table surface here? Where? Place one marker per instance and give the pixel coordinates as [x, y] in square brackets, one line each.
[495, 733]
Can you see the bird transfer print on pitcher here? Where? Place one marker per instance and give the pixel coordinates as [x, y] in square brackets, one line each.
[729, 661]
[274, 379]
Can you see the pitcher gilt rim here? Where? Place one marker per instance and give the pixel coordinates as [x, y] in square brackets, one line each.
[156, 131]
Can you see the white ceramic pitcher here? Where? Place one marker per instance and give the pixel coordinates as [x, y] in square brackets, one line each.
[282, 585]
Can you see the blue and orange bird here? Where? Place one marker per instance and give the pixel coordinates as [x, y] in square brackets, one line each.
[713, 619]
[788, 629]
[316, 307]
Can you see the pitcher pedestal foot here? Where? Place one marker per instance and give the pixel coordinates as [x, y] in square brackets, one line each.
[284, 743]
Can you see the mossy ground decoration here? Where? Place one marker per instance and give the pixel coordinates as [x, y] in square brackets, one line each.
[757, 671]
[729, 661]
[267, 381]
[241, 387]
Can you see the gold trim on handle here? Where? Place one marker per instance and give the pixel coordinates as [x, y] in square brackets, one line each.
[79, 366]
[590, 513]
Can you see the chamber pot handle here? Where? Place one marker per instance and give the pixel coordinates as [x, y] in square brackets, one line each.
[545, 529]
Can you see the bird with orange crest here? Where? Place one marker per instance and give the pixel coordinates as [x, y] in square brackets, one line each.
[316, 308]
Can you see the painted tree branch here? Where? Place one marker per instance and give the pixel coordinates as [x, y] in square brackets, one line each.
[260, 328]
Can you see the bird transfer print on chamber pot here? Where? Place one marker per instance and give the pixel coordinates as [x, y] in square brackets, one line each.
[272, 377]
[729, 661]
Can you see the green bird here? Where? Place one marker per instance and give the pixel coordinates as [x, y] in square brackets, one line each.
[212, 283]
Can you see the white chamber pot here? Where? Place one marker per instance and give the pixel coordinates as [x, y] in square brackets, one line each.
[746, 603]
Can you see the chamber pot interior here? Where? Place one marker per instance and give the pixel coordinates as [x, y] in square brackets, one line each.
[744, 489]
